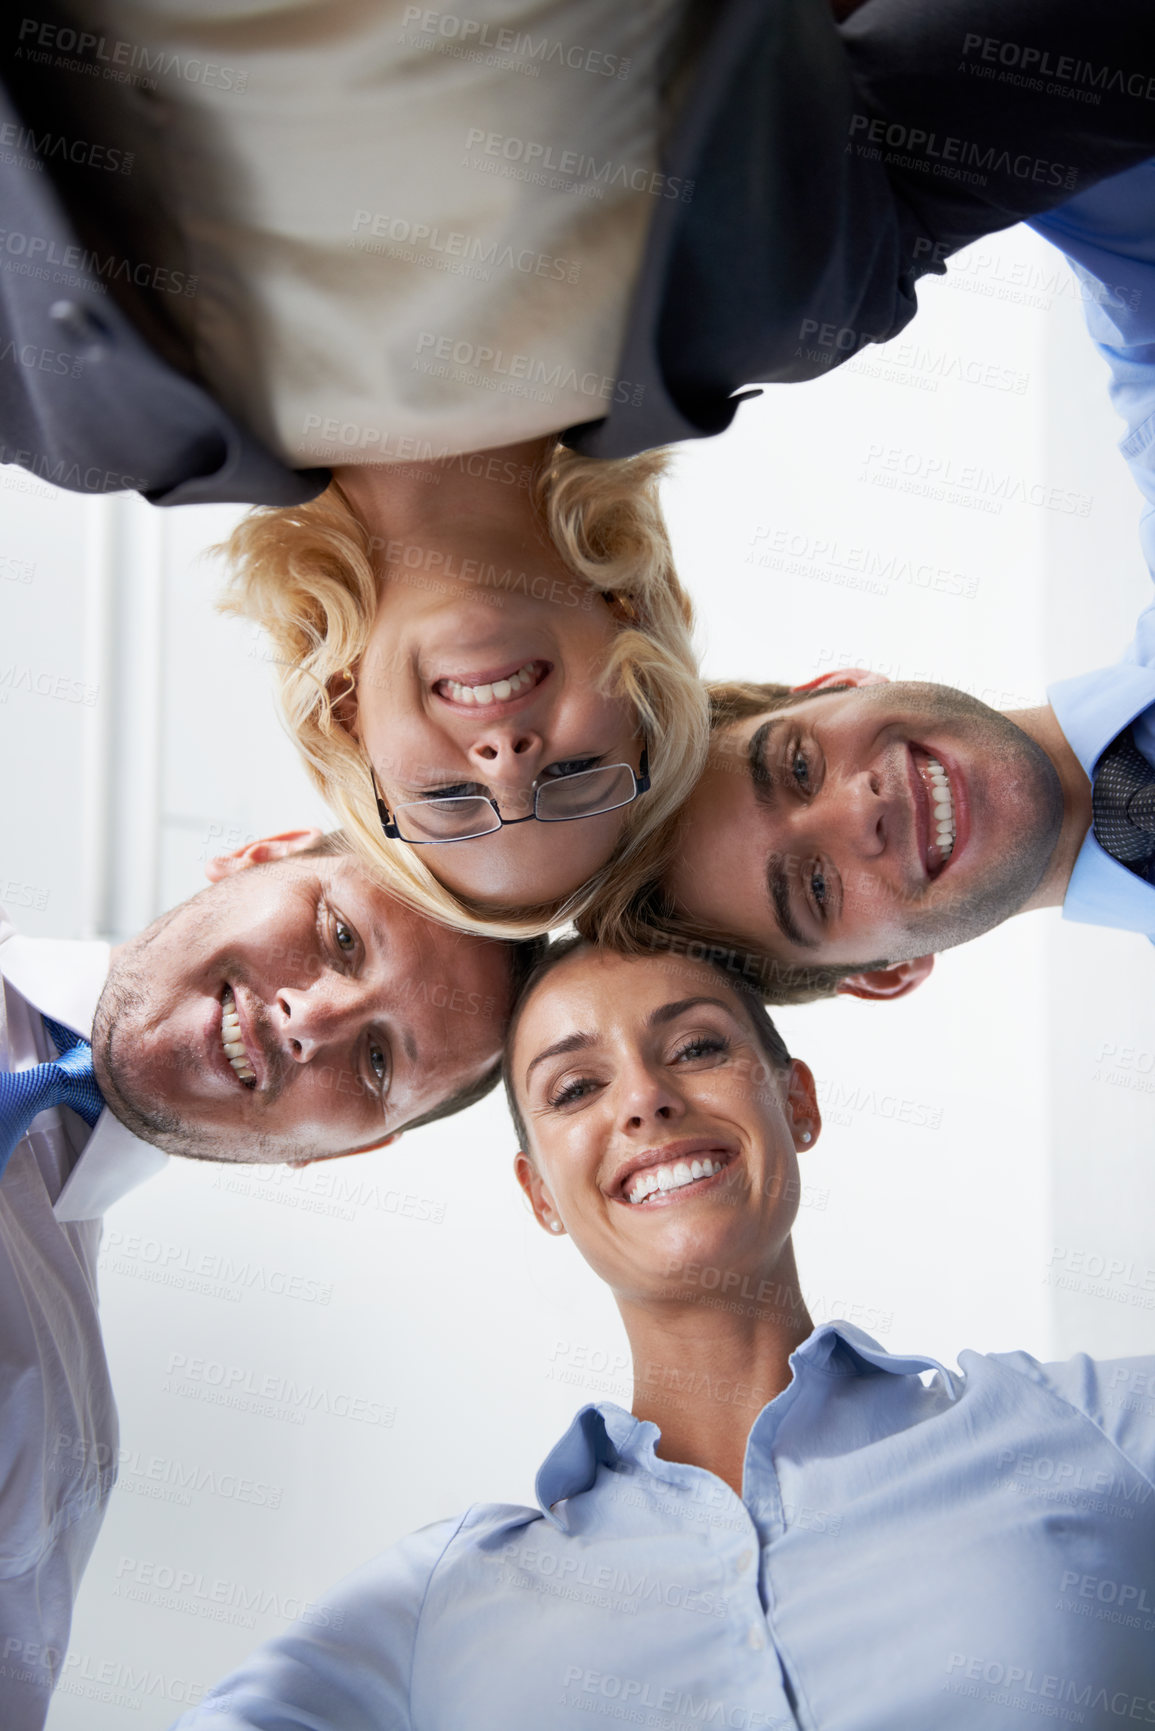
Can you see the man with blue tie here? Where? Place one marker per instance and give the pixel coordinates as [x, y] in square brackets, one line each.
[872, 823]
[1109, 716]
[290, 1012]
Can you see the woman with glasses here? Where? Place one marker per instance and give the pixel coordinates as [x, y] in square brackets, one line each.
[497, 694]
[792, 1527]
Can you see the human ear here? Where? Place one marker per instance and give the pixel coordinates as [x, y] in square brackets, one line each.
[540, 1200]
[802, 1104]
[253, 853]
[892, 982]
[844, 676]
[342, 696]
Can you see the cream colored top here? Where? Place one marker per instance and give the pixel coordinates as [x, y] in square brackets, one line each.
[413, 232]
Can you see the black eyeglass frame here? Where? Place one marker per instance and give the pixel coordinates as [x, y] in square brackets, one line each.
[641, 778]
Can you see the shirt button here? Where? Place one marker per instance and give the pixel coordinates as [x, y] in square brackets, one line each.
[84, 328]
[756, 1638]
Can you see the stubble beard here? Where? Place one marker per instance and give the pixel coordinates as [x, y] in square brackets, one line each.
[132, 1001]
[1017, 873]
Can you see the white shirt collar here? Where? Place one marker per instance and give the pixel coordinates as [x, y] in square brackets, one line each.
[63, 978]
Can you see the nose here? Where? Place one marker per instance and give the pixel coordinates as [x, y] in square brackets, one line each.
[507, 756]
[855, 814]
[646, 1099]
[310, 1018]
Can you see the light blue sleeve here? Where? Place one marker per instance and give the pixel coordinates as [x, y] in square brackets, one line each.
[1108, 234]
[348, 1667]
[1125, 337]
[1116, 1394]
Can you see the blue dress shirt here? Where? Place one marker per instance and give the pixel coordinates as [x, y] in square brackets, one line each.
[1109, 236]
[915, 1549]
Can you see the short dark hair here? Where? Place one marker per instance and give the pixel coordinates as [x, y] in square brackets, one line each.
[733, 965]
[738, 699]
[334, 841]
[654, 925]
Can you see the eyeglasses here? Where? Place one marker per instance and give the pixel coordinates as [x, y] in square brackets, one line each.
[556, 799]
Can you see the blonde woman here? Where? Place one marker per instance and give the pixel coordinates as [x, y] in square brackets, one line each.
[486, 663]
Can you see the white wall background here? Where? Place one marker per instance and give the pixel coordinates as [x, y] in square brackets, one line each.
[986, 1140]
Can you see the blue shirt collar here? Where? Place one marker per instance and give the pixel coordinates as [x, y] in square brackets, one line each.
[1093, 708]
[605, 1434]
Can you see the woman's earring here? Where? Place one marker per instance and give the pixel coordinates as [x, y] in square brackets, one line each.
[806, 1136]
[555, 1225]
[350, 687]
[622, 606]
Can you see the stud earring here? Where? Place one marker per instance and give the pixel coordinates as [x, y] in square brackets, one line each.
[555, 1225]
[806, 1136]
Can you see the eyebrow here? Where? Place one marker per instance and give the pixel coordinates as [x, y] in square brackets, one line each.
[777, 880]
[571, 1043]
[380, 938]
[658, 1018]
[778, 890]
[670, 1012]
[765, 787]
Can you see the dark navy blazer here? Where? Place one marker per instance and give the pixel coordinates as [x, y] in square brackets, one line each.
[832, 166]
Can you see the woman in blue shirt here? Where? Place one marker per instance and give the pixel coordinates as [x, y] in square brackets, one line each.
[792, 1527]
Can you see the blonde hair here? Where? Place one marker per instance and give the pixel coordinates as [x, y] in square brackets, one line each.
[305, 574]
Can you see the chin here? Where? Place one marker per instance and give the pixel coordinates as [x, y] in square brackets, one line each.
[136, 1094]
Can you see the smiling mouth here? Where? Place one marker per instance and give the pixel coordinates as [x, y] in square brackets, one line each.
[482, 693]
[662, 1177]
[232, 1044]
[943, 821]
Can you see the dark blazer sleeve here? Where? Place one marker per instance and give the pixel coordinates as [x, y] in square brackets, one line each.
[97, 391]
[829, 167]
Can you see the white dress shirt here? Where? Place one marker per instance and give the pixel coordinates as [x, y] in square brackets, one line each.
[58, 1428]
[409, 232]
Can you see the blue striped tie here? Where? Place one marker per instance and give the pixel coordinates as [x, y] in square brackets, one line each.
[66, 1081]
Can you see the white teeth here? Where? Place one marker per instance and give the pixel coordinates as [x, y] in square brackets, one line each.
[938, 786]
[499, 691]
[674, 1177]
[233, 1045]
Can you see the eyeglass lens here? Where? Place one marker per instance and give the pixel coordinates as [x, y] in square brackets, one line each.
[586, 794]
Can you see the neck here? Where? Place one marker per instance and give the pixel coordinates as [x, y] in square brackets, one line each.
[1042, 726]
[412, 501]
[703, 1375]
